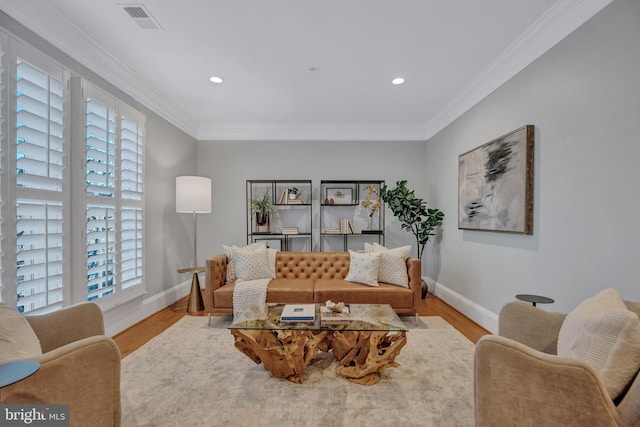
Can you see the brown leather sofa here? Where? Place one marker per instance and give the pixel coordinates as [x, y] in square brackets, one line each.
[307, 277]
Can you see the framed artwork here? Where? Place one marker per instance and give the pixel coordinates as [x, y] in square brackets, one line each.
[495, 184]
[339, 196]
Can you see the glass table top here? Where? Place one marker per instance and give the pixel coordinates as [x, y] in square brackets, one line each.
[362, 317]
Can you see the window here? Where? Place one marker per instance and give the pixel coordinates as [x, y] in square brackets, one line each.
[114, 194]
[40, 185]
[3, 150]
[49, 121]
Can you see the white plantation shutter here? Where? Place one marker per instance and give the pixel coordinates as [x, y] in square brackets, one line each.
[114, 194]
[3, 149]
[131, 179]
[40, 185]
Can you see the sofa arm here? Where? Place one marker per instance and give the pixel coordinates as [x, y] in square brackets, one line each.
[67, 325]
[530, 326]
[519, 386]
[84, 374]
[215, 276]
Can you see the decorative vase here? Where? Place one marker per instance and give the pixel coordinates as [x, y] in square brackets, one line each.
[262, 218]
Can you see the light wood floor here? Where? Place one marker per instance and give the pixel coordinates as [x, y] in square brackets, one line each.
[134, 337]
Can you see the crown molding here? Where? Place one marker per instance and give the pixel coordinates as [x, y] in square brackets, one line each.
[311, 132]
[558, 22]
[564, 17]
[47, 22]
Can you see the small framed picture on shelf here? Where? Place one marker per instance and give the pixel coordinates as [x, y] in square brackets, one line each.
[339, 196]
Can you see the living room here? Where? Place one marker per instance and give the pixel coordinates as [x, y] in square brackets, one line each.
[583, 97]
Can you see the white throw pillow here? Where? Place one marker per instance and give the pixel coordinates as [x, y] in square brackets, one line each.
[393, 264]
[17, 339]
[363, 267]
[231, 263]
[251, 263]
[602, 331]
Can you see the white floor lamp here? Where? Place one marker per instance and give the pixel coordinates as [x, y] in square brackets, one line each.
[193, 195]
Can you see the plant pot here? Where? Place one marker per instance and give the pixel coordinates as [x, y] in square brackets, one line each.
[293, 196]
[262, 218]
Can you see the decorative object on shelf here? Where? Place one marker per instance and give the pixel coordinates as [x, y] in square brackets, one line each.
[495, 184]
[340, 196]
[293, 193]
[372, 201]
[414, 215]
[193, 195]
[263, 209]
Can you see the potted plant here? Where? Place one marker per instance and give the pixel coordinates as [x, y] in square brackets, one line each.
[263, 207]
[293, 193]
[413, 215]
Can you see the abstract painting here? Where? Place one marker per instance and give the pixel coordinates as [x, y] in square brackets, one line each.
[495, 184]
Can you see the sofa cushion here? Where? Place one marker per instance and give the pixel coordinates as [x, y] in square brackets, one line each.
[393, 264]
[338, 290]
[363, 267]
[602, 331]
[17, 339]
[252, 263]
[231, 262]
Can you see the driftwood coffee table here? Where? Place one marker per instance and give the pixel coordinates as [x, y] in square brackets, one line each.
[364, 346]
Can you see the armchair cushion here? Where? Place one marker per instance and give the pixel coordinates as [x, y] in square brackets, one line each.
[17, 338]
[603, 332]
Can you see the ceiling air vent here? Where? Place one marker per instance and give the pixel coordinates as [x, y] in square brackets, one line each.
[142, 17]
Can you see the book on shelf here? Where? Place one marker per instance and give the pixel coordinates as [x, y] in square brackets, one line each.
[283, 197]
[298, 313]
[331, 231]
[329, 316]
[294, 202]
[344, 225]
[352, 229]
[290, 230]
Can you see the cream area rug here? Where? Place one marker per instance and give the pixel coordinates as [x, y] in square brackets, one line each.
[192, 375]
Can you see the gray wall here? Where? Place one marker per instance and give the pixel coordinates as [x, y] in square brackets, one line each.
[230, 164]
[583, 96]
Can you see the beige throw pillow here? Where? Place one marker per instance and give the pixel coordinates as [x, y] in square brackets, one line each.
[602, 331]
[252, 263]
[393, 264]
[17, 339]
[363, 268]
[231, 263]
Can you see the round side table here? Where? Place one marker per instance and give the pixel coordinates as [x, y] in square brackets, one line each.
[12, 372]
[535, 299]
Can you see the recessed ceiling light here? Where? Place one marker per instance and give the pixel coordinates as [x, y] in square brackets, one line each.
[397, 81]
[215, 79]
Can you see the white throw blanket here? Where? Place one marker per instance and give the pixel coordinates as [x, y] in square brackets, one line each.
[250, 299]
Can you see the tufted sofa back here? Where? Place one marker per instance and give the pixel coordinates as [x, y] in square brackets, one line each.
[312, 265]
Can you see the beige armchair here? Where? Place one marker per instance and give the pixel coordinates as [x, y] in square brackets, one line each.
[519, 381]
[80, 366]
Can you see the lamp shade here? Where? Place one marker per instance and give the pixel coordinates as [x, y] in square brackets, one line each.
[193, 194]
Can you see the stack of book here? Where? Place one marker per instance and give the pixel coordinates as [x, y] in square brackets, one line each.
[331, 231]
[329, 316]
[293, 202]
[346, 226]
[298, 313]
[290, 230]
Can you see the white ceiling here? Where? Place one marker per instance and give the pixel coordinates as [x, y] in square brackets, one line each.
[452, 53]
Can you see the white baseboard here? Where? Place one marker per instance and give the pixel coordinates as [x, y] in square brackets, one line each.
[483, 317]
[127, 315]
